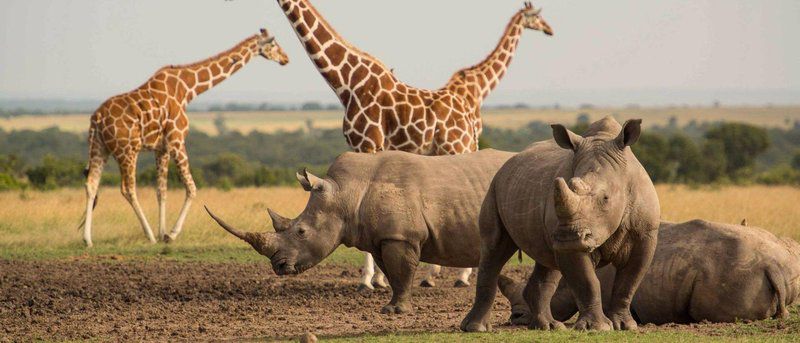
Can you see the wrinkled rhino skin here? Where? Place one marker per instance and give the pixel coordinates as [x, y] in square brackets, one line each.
[401, 207]
[702, 271]
[571, 203]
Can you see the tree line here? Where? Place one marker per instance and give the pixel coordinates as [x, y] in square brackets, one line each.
[708, 153]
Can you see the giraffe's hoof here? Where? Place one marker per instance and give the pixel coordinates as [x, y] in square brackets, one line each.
[427, 283]
[365, 287]
[88, 244]
[167, 239]
[461, 284]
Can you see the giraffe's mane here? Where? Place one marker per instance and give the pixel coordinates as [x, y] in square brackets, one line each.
[343, 41]
[462, 72]
[212, 58]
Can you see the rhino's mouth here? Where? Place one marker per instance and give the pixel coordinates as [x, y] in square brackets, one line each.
[285, 267]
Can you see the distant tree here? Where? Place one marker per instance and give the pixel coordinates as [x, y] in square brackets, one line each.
[742, 143]
[652, 151]
[686, 160]
[220, 124]
[714, 161]
[311, 106]
[796, 160]
[583, 118]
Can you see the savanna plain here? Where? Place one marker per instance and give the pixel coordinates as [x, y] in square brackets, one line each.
[209, 285]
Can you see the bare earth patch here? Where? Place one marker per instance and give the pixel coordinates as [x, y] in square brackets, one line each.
[158, 300]
[104, 299]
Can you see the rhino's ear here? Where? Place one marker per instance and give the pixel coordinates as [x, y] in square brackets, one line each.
[309, 181]
[565, 138]
[630, 133]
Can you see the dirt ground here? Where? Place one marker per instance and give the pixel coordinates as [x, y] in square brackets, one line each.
[159, 300]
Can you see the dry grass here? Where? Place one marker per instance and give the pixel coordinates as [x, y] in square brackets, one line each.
[43, 224]
[274, 121]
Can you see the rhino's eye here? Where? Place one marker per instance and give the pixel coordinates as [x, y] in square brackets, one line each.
[301, 232]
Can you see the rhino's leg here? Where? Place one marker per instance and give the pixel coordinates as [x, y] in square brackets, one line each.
[399, 260]
[538, 294]
[496, 248]
[578, 270]
[627, 280]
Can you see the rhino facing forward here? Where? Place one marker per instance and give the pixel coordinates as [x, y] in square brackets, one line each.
[402, 208]
[702, 271]
[608, 213]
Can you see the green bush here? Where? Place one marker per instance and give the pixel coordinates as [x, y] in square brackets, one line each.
[780, 175]
[9, 182]
[55, 172]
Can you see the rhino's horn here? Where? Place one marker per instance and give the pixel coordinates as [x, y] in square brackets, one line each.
[566, 201]
[264, 243]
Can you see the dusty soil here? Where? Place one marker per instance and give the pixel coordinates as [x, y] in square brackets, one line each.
[159, 300]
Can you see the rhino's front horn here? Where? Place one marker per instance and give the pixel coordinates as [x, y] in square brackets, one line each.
[264, 243]
[566, 201]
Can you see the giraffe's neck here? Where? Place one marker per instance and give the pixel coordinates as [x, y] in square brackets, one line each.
[196, 78]
[479, 80]
[343, 66]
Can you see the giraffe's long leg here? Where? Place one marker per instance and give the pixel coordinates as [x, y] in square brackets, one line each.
[127, 168]
[433, 272]
[371, 276]
[463, 277]
[97, 160]
[182, 160]
[162, 168]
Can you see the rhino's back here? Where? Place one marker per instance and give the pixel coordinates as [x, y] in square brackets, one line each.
[430, 199]
[713, 271]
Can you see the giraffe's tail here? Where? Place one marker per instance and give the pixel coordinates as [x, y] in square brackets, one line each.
[92, 136]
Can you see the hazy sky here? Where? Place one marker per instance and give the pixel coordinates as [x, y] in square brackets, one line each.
[612, 52]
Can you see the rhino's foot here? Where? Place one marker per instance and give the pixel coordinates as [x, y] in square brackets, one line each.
[397, 308]
[519, 318]
[365, 287]
[593, 321]
[470, 325]
[545, 323]
[427, 283]
[623, 320]
[461, 284]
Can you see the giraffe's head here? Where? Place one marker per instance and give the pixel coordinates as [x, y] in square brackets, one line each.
[531, 19]
[268, 48]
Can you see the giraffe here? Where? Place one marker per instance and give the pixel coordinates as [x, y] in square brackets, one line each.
[381, 112]
[476, 82]
[153, 117]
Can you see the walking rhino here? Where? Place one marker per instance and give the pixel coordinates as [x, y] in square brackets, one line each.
[401, 207]
[702, 271]
[608, 212]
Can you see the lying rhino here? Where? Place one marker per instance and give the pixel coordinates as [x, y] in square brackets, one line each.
[401, 207]
[607, 213]
[701, 271]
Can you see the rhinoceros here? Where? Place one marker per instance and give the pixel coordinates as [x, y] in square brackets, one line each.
[401, 207]
[607, 213]
[702, 271]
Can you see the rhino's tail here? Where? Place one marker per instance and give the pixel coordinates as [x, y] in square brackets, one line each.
[778, 282]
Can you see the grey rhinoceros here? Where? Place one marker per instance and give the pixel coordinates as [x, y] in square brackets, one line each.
[702, 271]
[608, 212]
[401, 207]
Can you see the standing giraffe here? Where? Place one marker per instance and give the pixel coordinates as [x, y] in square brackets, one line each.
[476, 82]
[382, 113]
[153, 117]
